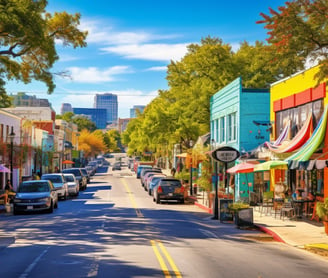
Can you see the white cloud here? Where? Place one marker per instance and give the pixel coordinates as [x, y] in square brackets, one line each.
[96, 75]
[164, 68]
[153, 52]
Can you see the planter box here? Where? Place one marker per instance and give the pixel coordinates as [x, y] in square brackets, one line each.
[244, 217]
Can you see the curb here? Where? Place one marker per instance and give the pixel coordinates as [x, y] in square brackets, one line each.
[275, 236]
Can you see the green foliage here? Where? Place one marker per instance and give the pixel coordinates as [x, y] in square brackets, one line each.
[322, 209]
[84, 123]
[238, 206]
[298, 34]
[183, 175]
[28, 36]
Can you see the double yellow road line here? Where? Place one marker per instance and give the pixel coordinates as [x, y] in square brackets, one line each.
[160, 251]
[162, 254]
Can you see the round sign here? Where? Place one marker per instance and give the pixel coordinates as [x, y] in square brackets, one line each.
[225, 154]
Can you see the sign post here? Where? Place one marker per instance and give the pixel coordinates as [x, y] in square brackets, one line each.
[224, 154]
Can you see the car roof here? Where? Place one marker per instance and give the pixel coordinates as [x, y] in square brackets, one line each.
[53, 174]
[35, 181]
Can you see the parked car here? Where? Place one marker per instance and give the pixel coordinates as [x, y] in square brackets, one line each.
[86, 174]
[168, 189]
[59, 183]
[147, 177]
[78, 175]
[147, 170]
[90, 170]
[73, 184]
[117, 166]
[153, 182]
[140, 167]
[94, 165]
[35, 195]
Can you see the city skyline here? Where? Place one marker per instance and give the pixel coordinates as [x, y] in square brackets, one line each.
[130, 46]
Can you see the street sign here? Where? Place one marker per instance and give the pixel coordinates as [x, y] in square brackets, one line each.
[225, 154]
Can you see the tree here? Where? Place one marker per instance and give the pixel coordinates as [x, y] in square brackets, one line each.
[28, 36]
[298, 34]
[82, 122]
[91, 143]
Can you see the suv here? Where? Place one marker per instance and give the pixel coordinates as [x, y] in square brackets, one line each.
[168, 189]
[59, 183]
[78, 175]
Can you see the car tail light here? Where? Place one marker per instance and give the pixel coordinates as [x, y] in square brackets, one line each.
[159, 189]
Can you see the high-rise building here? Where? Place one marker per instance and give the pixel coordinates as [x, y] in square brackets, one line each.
[109, 102]
[24, 100]
[135, 108]
[66, 107]
[98, 116]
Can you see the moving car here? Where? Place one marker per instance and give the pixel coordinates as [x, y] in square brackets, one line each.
[169, 189]
[72, 184]
[59, 183]
[117, 166]
[78, 175]
[35, 195]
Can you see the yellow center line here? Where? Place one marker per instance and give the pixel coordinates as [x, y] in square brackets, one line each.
[167, 257]
[160, 260]
[132, 200]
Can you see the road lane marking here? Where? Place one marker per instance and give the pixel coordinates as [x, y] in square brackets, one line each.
[33, 264]
[168, 258]
[132, 200]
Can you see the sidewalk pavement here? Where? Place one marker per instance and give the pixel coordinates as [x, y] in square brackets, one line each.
[303, 233]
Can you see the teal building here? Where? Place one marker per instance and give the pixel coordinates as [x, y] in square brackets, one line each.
[240, 118]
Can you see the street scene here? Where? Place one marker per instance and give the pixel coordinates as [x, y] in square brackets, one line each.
[163, 139]
[113, 228]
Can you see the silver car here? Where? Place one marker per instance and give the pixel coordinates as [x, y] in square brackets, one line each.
[73, 184]
[36, 195]
[59, 183]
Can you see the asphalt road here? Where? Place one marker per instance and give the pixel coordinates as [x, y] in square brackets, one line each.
[114, 229]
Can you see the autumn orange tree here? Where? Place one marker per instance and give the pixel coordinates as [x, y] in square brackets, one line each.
[91, 144]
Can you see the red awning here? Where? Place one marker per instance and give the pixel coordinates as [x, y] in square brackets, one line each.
[299, 139]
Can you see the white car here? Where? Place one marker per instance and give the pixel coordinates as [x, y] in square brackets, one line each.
[59, 183]
[72, 184]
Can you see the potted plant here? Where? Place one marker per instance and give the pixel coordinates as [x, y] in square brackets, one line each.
[243, 214]
[322, 212]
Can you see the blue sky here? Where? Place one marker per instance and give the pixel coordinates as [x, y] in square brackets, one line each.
[130, 44]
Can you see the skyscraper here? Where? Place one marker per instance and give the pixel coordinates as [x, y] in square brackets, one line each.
[109, 102]
[135, 108]
[66, 107]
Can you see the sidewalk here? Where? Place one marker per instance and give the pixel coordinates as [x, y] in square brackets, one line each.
[303, 233]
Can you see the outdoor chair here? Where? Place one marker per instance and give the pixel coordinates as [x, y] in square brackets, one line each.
[287, 210]
[267, 203]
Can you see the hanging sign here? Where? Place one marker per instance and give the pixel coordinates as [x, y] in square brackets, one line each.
[225, 154]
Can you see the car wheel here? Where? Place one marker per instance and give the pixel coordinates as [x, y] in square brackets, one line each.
[149, 192]
[15, 212]
[56, 205]
[51, 209]
[158, 200]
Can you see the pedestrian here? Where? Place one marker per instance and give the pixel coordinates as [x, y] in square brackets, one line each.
[173, 171]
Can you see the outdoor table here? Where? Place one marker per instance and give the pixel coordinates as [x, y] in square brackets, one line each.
[298, 206]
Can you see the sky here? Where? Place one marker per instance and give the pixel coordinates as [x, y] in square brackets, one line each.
[130, 44]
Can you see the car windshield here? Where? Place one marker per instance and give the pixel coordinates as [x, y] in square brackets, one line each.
[34, 187]
[75, 172]
[176, 183]
[69, 178]
[53, 179]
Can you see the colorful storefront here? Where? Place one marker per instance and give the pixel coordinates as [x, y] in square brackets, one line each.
[298, 108]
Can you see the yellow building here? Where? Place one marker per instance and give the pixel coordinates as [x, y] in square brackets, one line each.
[293, 101]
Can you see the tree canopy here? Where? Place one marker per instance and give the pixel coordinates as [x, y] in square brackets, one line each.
[298, 36]
[28, 35]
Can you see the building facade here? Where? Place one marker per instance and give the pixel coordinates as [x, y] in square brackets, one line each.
[136, 109]
[96, 115]
[234, 114]
[66, 107]
[22, 99]
[108, 102]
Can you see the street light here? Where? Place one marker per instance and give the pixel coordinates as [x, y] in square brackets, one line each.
[11, 136]
[215, 175]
